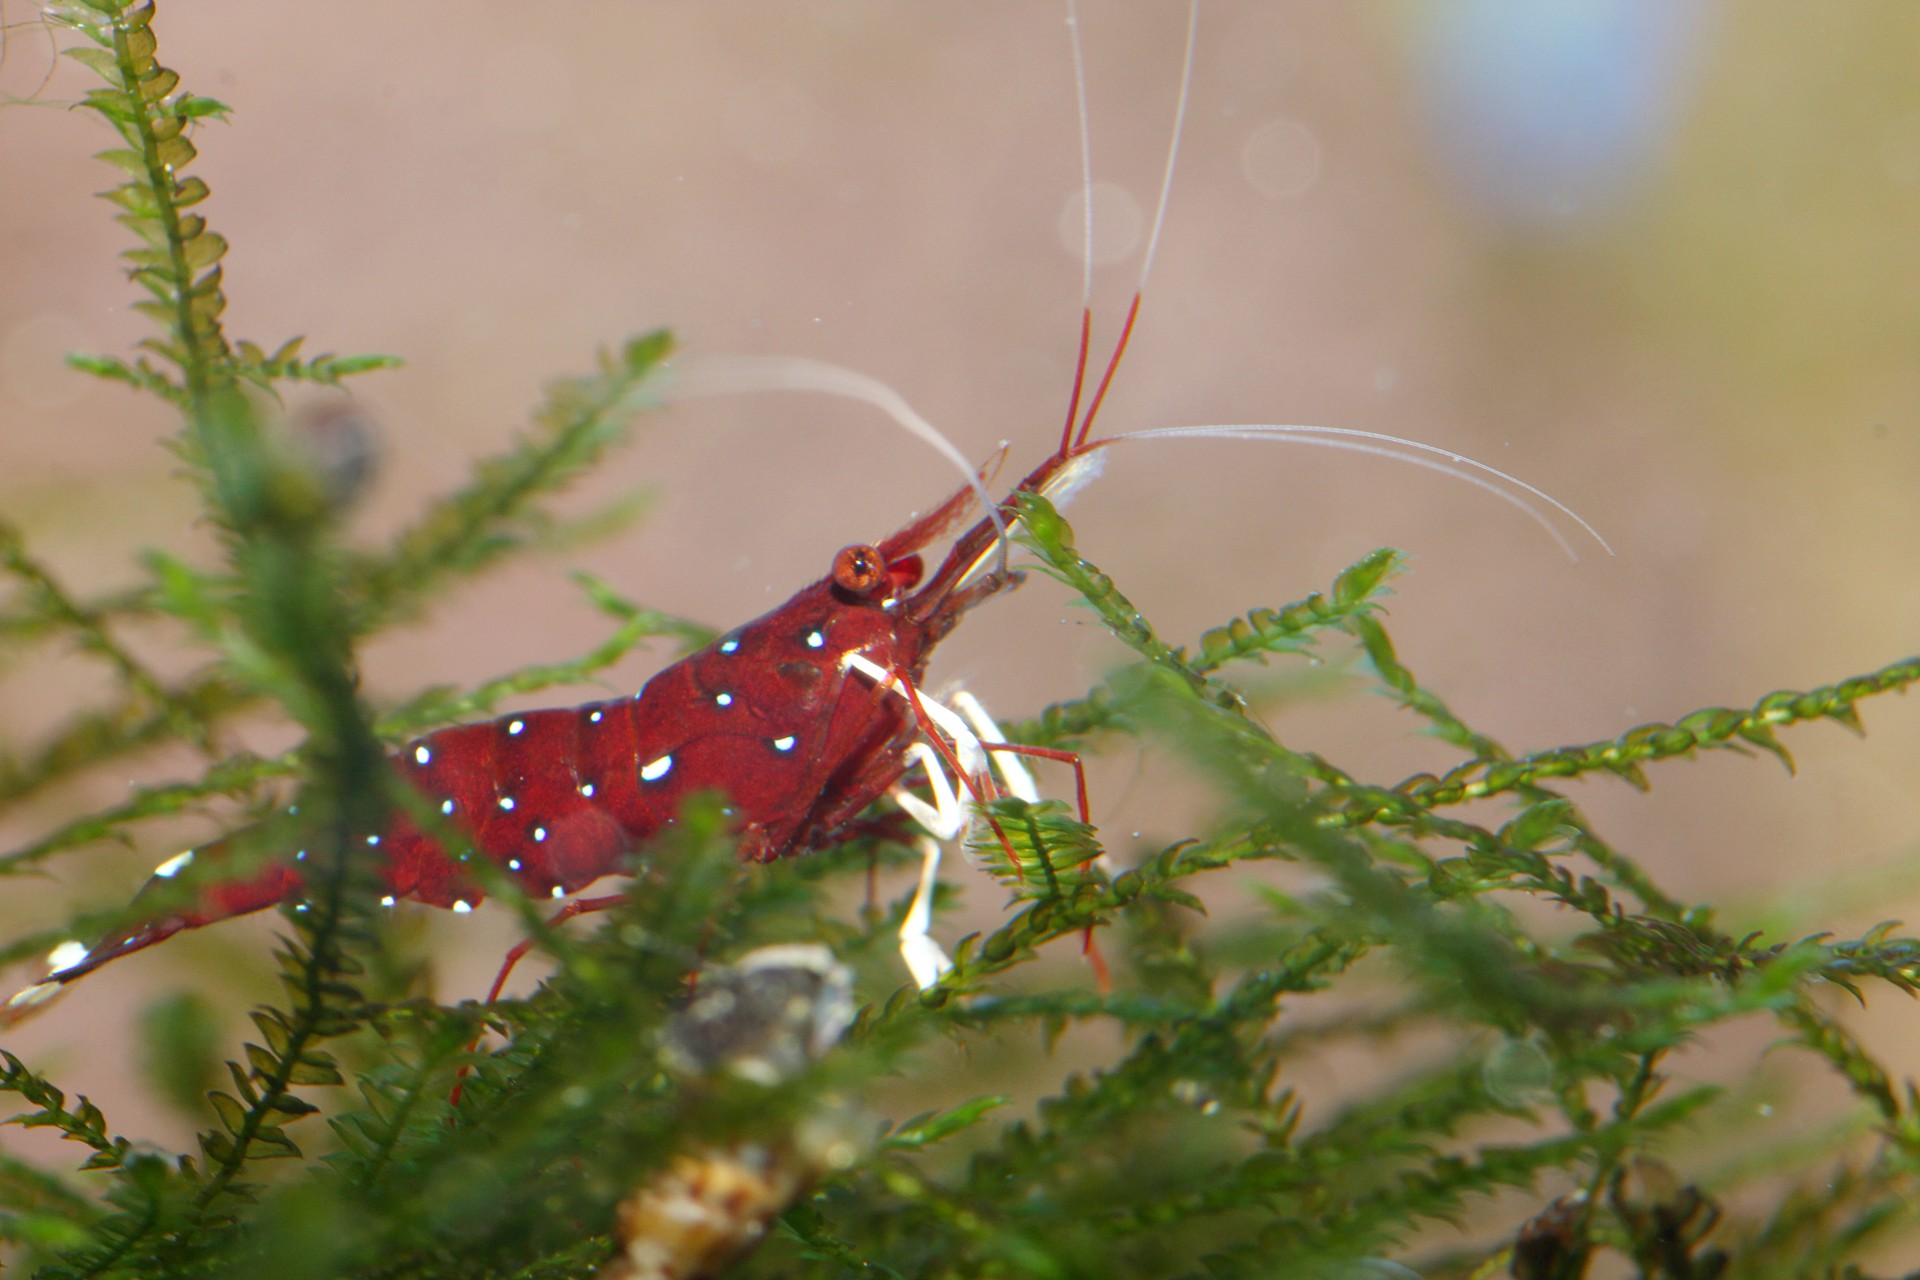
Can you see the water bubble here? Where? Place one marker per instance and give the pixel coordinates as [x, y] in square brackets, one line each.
[1118, 223]
[1518, 1072]
[337, 444]
[1282, 159]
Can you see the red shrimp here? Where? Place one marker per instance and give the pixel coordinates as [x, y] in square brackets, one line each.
[802, 719]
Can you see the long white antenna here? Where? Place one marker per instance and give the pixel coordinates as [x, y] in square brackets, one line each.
[726, 375]
[1173, 149]
[1077, 438]
[1086, 157]
[1379, 444]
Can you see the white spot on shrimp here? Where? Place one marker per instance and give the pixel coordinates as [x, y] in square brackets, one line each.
[513, 864]
[539, 835]
[300, 856]
[722, 699]
[387, 901]
[446, 806]
[172, 866]
[66, 955]
[301, 908]
[373, 839]
[654, 770]
[815, 640]
[586, 789]
[422, 756]
[728, 646]
[293, 809]
[783, 744]
[558, 892]
[461, 906]
[597, 717]
[517, 728]
[506, 802]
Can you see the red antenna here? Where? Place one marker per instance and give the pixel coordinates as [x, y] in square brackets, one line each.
[1070, 439]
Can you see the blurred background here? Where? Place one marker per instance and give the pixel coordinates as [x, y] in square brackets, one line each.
[1658, 258]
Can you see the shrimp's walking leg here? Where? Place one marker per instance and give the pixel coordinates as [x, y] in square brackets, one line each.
[944, 819]
[926, 960]
[974, 746]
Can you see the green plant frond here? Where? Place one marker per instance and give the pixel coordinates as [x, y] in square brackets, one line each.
[1295, 628]
[1045, 855]
[83, 1122]
[131, 724]
[1378, 647]
[497, 512]
[1051, 539]
[924, 1130]
[139, 374]
[142, 102]
[318, 971]
[441, 706]
[46, 596]
[1290, 629]
[22, 625]
[1829, 1039]
[1818, 1224]
[246, 777]
[471, 530]
[285, 365]
[1709, 729]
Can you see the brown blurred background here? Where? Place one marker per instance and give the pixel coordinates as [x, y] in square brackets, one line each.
[1663, 267]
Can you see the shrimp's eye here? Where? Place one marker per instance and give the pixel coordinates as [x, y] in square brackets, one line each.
[860, 570]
